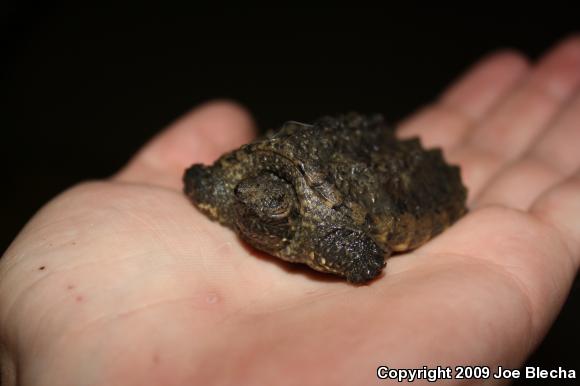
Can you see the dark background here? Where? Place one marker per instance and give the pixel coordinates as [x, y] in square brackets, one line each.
[83, 88]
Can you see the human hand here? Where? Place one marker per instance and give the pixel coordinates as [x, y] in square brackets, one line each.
[123, 282]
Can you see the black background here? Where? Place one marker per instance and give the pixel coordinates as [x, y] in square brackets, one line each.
[83, 88]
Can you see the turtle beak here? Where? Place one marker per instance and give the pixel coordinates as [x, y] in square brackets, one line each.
[196, 181]
[208, 192]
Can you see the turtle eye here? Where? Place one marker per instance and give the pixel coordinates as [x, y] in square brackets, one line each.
[278, 205]
[267, 196]
[265, 211]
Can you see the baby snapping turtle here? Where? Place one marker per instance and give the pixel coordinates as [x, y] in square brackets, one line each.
[339, 195]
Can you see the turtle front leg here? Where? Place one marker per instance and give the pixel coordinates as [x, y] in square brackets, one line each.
[349, 253]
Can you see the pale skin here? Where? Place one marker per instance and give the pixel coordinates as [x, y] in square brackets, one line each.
[123, 282]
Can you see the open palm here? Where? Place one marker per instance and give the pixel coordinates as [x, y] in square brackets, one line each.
[123, 282]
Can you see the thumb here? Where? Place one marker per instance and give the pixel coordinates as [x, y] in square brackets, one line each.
[202, 135]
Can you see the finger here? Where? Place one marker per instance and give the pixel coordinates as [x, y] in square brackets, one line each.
[200, 136]
[560, 207]
[513, 248]
[514, 125]
[445, 122]
[510, 129]
[559, 145]
[553, 157]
